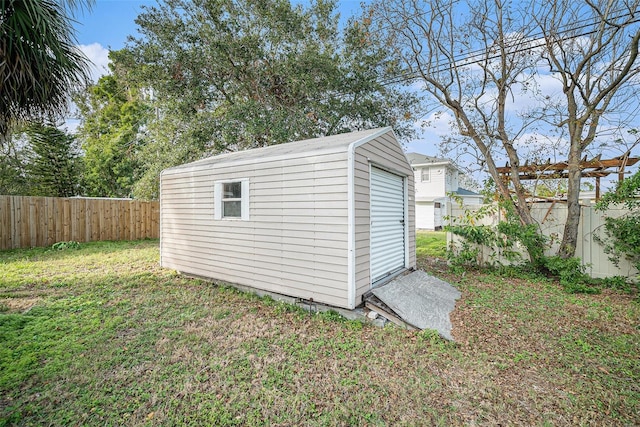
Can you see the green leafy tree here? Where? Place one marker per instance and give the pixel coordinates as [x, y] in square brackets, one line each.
[13, 163]
[227, 75]
[171, 141]
[39, 60]
[54, 167]
[113, 115]
[622, 234]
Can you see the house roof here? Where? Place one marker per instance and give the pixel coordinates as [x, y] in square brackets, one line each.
[464, 192]
[327, 144]
[417, 159]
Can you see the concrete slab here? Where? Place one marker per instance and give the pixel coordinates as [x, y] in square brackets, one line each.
[421, 300]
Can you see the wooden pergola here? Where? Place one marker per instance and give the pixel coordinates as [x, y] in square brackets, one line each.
[594, 168]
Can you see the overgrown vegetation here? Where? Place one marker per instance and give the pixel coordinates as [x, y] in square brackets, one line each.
[484, 244]
[622, 234]
[100, 335]
[511, 243]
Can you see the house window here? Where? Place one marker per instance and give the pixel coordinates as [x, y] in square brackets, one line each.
[231, 199]
[424, 175]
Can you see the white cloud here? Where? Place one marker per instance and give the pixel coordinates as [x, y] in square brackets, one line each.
[99, 56]
[438, 123]
[541, 89]
[430, 131]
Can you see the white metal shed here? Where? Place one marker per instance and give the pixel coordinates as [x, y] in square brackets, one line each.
[323, 219]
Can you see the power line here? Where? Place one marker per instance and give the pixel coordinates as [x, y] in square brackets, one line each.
[470, 58]
[480, 55]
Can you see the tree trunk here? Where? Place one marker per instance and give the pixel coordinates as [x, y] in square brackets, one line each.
[570, 235]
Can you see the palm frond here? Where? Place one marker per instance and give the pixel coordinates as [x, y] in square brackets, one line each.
[40, 63]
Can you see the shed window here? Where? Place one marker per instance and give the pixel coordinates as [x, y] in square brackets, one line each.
[232, 199]
[424, 175]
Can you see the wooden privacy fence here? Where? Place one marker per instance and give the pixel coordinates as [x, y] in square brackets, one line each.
[42, 221]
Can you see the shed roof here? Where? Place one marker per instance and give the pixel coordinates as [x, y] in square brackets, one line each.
[327, 144]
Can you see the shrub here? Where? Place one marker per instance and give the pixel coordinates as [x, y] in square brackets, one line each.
[622, 235]
[571, 274]
[62, 246]
[504, 239]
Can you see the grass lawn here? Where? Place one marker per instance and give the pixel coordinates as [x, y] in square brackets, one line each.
[101, 335]
[431, 243]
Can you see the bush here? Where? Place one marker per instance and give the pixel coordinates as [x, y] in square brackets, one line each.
[63, 246]
[571, 274]
[622, 235]
[622, 238]
[618, 283]
[503, 239]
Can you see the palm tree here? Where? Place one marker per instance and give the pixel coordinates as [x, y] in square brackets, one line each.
[40, 63]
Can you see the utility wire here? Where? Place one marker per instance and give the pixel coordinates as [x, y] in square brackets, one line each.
[480, 55]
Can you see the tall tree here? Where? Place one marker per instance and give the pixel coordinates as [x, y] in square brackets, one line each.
[475, 58]
[592, 49]
[54, 166]
[13, 164]
[39, 61]
[113, 115]
[234, 74]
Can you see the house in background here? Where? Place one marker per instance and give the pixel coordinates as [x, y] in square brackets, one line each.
[435, 179]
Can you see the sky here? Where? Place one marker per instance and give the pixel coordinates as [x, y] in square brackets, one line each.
[107, 26]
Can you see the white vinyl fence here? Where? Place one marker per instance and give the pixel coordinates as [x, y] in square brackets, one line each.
[551, 217]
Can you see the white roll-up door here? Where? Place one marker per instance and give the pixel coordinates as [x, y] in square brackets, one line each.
[387, 223]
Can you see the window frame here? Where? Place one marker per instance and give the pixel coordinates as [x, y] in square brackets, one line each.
[422, 173]
[219, 199]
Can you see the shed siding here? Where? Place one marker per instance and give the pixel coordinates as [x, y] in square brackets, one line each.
[385, 152]
[295, 241]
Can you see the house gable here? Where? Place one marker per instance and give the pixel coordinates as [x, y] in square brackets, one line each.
[434, 177]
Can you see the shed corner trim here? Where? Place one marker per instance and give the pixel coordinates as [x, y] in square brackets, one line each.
[160, 233]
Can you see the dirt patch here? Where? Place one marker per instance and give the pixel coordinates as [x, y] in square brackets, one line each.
[20, 305]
